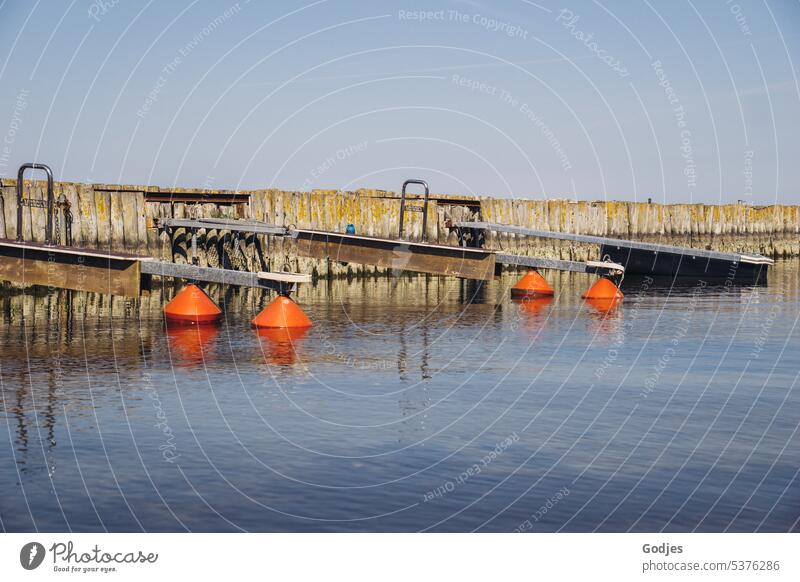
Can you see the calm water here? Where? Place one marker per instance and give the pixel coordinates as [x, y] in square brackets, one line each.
[413, 404]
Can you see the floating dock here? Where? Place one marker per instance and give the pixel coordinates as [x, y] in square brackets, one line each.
[115, 273]
[91, 269]
[397, 254]
[641, 258]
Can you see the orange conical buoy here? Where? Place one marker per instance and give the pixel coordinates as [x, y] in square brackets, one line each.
[532, 284]
[282, 312]
[192, 305]
[603, 289]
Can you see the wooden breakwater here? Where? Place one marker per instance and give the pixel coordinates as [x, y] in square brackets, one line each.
[120, 218]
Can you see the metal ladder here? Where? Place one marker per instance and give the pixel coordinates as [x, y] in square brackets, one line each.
[49, 204]
[424, 208]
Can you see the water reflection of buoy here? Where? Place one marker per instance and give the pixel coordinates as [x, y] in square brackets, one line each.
[281, 313]
[533, 305]
[533, 312]
[604, 318]
[604, 306]
[192, 305]
[531, 285]
[191, 345]
[603, 289]
[280, 345]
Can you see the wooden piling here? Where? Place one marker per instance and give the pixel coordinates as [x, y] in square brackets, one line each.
[120, 218]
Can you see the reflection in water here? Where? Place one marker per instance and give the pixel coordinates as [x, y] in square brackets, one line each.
[191, 345]
[604, 307]
[411, 380]
[423, 332]
[472, 292]
[605, 317]
[533, 312]
[280, 346]
[533, 305]
[402, 356]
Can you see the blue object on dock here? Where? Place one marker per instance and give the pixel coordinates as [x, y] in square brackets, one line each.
[350, 229]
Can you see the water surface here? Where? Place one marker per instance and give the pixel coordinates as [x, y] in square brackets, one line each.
[414, 403]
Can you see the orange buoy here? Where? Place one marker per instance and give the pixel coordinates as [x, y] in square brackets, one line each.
[603, 289]
[282, 312]
[532, 284]
[192, 305]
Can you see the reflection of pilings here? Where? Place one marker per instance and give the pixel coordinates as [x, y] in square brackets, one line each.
[425, 355]
[402, 356]
[49, 412]
[53, 325]
[22, 424]
[472, 291]
[62, 311]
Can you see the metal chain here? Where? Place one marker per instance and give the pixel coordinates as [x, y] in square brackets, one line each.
[287, 265]
[62, 207]
[57, 220]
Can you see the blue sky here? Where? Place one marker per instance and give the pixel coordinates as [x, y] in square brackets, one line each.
[675, 101]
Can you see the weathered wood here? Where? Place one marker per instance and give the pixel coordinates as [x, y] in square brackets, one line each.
[769, 230]
[86, 218]
[2, 215]
[117, 221]
[34, 217]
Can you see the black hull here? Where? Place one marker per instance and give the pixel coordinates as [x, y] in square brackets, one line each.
[668, 264]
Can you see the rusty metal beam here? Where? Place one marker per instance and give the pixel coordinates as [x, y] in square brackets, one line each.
[279, 282]
[69, 268]
[401, 255]
[560, 265]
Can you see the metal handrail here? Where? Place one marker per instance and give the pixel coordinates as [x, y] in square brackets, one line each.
[48, 233]
[424, 208]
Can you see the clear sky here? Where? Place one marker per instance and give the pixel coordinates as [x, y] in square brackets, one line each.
[677, 101]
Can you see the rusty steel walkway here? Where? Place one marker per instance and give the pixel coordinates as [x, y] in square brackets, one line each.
[422, 257]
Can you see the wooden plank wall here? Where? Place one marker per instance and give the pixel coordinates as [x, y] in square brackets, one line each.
[118, 218]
